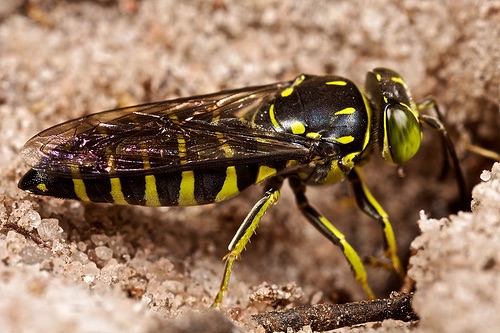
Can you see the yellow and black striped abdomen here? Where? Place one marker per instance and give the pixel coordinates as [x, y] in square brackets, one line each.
[183, 188]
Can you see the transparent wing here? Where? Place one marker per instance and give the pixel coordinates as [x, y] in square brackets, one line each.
[196, 132]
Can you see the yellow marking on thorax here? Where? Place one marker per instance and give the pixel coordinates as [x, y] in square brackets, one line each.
[264, 173]
[348, 160]
[313, 135]
[298, 127]
[336, 83]
[272, 117]
[335, 174]
[288, 91]
[344, 139]
[230, 187]
[349, 110]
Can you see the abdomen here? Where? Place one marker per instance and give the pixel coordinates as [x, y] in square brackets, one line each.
[183, 188]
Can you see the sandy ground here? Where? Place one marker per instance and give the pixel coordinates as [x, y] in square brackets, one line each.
[72, 267]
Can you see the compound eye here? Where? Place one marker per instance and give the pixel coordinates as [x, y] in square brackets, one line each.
[402, 134]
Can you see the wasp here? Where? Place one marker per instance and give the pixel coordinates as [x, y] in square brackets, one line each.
[314, 130]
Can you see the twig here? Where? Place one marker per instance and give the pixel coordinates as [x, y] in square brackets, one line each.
[31, 235]
[323, 317]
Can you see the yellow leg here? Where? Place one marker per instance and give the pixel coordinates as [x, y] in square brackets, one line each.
[332, 233]
[242, 237]
[370, 206]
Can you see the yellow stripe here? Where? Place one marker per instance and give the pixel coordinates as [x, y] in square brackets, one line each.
[273, 117]
[181, 146]
[78, 184]
[151, 193]
[80, 190]
[345, 139]
[369, 125]
[226, 148]
[391, 247]
[345, 111]
[42, 187]
[287, 92]
[230, 186]
[254, 116]
[337, 83]
[313, 135]
[398, 80]
[264, 173]
[374, 202]
[413, 111]
[116, 191]
[186, 191]
[116, 186]
[335, 174]
[405, 105]
[215, 114]
[352, 257]
[348, 160]
[331, 227]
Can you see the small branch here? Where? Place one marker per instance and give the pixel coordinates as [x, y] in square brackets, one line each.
[323, 317]
[27, 234]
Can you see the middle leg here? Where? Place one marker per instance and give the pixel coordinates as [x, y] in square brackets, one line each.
[332, 233]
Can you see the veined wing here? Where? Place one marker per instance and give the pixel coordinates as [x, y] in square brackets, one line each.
[196, 132]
